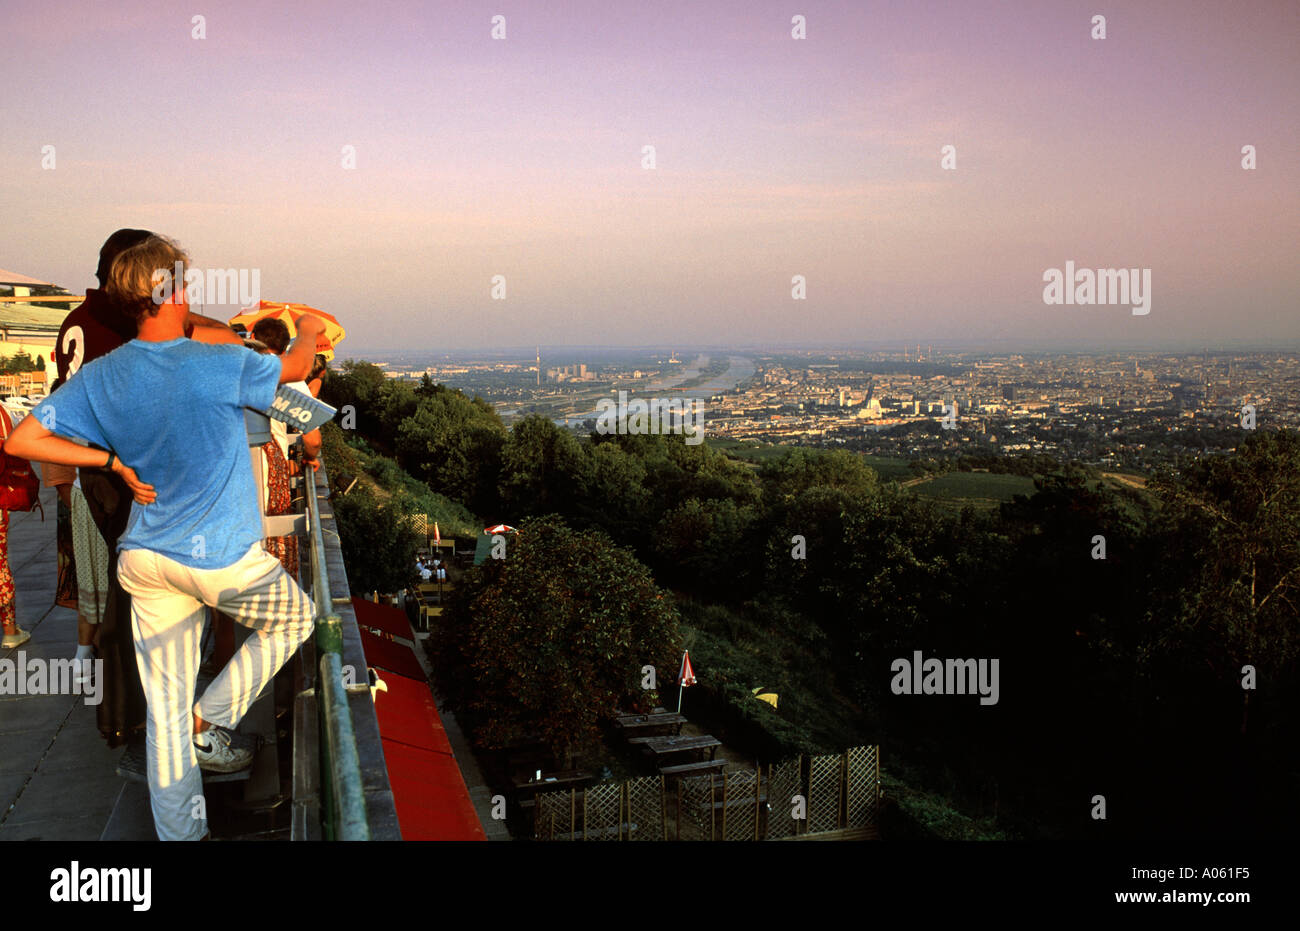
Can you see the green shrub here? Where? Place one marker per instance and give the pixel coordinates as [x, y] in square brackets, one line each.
[378, 546]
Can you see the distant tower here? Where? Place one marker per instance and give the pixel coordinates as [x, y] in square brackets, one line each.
[539, 366]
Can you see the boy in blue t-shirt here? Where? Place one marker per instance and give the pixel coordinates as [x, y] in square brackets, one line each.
[173, 409]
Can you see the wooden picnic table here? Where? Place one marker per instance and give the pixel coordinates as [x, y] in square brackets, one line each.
[563, 780]
[642, 723]
[663, 746]
[692, 769]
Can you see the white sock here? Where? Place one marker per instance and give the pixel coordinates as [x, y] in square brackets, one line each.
[85, 651]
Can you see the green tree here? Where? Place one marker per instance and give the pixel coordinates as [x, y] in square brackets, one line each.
[553, 638]
[353, 382]
[395, 402]
[1232, 544]
[800, 469]
[618, 500]
[378, 545]
[704, 546]
[454, 444]
[543, 470]
[21, 361]
[358, 385]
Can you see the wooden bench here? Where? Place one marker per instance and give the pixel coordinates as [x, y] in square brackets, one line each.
[682, 769]
[434, 595]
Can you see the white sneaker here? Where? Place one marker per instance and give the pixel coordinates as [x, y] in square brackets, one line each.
[85, 671]
[85, 660]
[216, 753]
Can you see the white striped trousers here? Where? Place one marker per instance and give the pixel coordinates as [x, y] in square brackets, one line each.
[167, 613]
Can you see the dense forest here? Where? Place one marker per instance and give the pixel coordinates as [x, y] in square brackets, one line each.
[1146, 638]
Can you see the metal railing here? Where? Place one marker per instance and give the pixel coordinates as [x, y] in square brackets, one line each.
[342, 792]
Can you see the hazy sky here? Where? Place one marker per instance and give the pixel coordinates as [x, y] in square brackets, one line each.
[522, 157]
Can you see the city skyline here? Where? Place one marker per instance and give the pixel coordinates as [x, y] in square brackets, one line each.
[774, 157]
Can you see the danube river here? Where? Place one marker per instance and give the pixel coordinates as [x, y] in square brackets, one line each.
[739, 370]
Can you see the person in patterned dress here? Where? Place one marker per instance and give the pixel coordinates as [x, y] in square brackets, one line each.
[13, 634]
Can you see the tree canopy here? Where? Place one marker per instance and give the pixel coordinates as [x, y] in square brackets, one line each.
[554, 637]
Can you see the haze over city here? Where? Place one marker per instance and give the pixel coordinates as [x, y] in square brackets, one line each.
[774, 157]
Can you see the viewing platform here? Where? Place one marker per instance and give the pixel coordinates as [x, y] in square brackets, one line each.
[59, 780]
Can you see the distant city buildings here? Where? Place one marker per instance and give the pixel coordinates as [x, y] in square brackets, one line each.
[1110, 409]
[570, 373]
[1072, 406]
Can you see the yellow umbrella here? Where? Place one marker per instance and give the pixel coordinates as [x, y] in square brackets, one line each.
[290, 314]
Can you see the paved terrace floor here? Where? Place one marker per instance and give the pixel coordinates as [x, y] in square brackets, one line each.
[58, 777]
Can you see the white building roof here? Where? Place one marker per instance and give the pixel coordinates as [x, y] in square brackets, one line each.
[8, 277]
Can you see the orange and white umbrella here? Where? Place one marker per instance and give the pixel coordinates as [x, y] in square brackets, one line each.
[331, 336]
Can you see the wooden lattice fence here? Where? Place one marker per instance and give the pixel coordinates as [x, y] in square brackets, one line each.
[418, 522]
[821, 796]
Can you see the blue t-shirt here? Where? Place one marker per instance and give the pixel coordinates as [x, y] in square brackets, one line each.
[173, 411]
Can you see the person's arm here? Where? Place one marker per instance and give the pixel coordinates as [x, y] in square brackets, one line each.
[216, 336]
[60, 478]
[295, 365]
[54, 475]
[203, 329]
[30, 440]
[311, 443]
[195, 321]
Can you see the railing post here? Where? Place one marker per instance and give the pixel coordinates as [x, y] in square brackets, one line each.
[344, 798]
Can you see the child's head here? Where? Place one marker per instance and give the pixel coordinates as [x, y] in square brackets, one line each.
[146, 275]
[273, 332]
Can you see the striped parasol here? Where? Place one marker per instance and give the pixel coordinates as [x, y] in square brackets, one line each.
[330, 337]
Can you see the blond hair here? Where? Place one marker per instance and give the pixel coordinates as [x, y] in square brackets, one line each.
[145, 275]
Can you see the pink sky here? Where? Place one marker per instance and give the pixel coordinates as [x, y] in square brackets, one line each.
[776, 157]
